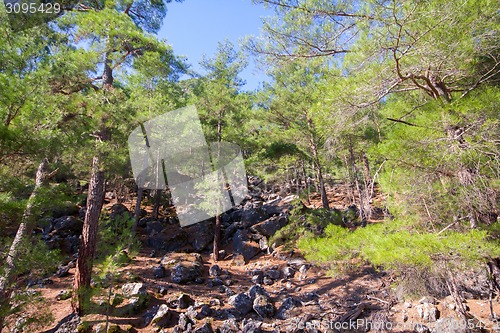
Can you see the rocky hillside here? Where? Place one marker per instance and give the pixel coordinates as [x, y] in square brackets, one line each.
[172, 285]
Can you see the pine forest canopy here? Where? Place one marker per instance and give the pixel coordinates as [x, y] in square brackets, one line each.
[395, 99]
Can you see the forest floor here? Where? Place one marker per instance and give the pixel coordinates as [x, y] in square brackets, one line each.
[339, 293]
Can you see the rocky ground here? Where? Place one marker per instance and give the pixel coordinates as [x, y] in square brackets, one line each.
[173, 285]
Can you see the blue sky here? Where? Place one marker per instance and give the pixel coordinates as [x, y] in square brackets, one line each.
[194, 27]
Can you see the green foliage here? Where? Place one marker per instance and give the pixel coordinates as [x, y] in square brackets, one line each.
[305, 221]
[394, 246]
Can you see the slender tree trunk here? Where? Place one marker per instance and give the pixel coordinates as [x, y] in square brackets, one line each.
[156, 207]
[217, 217]
[24, 231]
[95, 200]
[324, 197]
[356, 182]
[83, 273]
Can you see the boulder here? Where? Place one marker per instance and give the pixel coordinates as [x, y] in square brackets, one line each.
[255, 291]
[205, 328]
[269, 227]
[286, 310]
[162, 316]
[200, 235]
[134, 289]
[119, 212]
[68, 224]
[244, 246]
[428, 312]
[184, 301]
[185, 267]
[250, 326]
[263, 307]
[241, 302]
[229, 326]
[215, 271]
[153, 227]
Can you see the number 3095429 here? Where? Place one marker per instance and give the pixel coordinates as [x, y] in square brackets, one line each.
[33, 8]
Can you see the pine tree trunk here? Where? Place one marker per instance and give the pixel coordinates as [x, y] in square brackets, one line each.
[217, 217]
[83, 273]
[156, 207]
[322, 189]
[24, 230]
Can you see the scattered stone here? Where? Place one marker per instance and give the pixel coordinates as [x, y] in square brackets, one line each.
[162, 316]
[134, 289]
[263, 307]
[159, 272]
[229, 326]
[288, 272]
[185, 324]
[427, 312]
[269, 227]
[257, 279]
[254, 291]
[420, 328]
[407, 305]
[64, 295]
[285, 311]
[244, 246]
[69, 324]
[427, 299]
[62, 271]
[184, 301]
[268, 281]
[215, 271]
[216, 282]
[205, 328]
[241, 302]
[154, 227]
[250, 326]
[273, 274]
[186, 267]
[200, 235]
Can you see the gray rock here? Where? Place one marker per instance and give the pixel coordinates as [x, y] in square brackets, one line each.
[285, 311]
[200, 235]
[134, 289]
[229, 326]
[427, 312]
[250, 326]
[162, 316]
[119, 212]
[288, 272]
[154, 227]
[69, 224]
[268, 281]
[186, 267]
[184, 323]
[241, 302]
[69, 324]
[269, 227]
[184, 301]
[255, 291]
[420, 328]
[263, 307]
[205, 328]
[244, 246]
[159, 272]
[215, 271]
[273, 274]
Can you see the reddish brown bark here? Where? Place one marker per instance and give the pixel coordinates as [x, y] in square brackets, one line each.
[83, 273]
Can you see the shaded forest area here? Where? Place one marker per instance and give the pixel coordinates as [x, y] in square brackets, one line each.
[375, 146]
